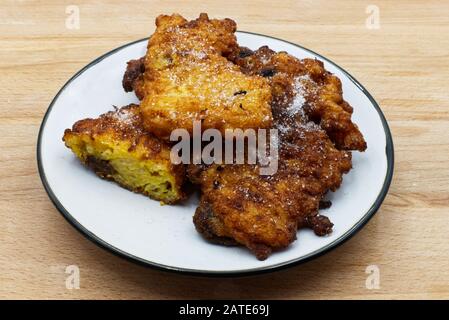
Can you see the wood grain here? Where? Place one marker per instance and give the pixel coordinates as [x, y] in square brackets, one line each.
[404, 64]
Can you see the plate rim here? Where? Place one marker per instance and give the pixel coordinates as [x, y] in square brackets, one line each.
[389, 153]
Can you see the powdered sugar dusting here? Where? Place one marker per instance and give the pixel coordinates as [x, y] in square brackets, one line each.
[299, 99]
[124, 116]
[293, 116]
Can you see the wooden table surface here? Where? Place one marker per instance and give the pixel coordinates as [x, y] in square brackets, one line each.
[404, 63]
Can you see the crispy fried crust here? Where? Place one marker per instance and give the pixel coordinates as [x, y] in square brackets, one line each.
[323, 91]
[132, 80]
[264, 212]
[187, 77]
[116, 147]
[210, 227]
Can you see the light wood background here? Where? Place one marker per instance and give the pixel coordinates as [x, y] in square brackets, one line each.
[404, 64]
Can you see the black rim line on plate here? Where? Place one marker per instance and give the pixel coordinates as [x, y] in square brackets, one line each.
[389, 151]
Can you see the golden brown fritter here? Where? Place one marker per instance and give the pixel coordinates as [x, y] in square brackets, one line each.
[117, 148]
[324, 103]
[263, 213]
[187, 77]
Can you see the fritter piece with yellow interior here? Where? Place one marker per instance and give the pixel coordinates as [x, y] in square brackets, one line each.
[324, 103]
[187, 77]
[117, 148]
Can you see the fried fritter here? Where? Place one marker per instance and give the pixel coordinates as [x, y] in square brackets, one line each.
[241, 207]
[263, 213]
[187, 77]
[117, 148]
[324, 103]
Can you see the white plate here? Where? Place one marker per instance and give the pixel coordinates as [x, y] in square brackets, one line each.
[142, 230]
